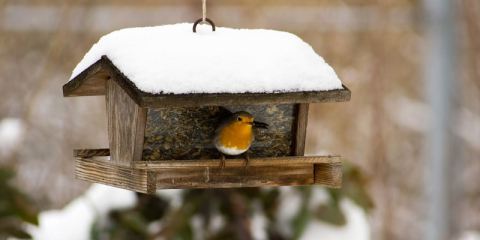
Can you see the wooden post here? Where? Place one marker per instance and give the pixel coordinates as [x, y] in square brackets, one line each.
[300, 129]
[328, 174]
[126, 125]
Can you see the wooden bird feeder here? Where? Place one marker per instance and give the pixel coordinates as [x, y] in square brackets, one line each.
[164, 141]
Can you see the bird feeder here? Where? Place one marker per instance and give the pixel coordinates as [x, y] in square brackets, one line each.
[164, 140]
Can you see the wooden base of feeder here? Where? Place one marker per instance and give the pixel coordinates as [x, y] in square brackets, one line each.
[149, 176]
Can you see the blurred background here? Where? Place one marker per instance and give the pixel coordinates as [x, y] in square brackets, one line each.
[381, 50]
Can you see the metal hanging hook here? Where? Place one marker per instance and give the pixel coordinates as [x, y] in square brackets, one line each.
[204, 17]
[201, 20]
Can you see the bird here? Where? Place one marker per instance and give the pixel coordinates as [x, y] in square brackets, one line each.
[234, 135]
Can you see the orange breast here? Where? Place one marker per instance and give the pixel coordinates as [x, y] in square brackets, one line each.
[237, 135]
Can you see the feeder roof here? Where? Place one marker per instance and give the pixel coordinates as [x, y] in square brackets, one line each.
[173, 60]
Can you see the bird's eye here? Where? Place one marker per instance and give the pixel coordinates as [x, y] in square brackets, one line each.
[239, 119]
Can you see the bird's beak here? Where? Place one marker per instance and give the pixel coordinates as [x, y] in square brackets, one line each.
[260, 125]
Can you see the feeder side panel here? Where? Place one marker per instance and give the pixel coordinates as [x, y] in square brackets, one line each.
[126, 125]
[235, 177]
[301, 129]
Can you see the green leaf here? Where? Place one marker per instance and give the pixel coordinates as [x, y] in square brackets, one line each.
[300, 222]
[95, 230]
[5, 175]
[25, 210]
[15, 231]
[354, 186]
[13, 203]
[331, 213]
[270, 201]
[361, 198]
[185, 232]
[135, 222]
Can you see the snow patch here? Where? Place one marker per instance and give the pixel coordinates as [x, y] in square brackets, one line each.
[75, 220]
[11, 135]
[174, 196]
[258, 226]
[357, 226]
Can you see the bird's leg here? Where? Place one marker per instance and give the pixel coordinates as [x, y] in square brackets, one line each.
[247, 160]
[222, 161]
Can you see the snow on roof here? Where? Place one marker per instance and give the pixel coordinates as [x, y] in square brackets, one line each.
[174, 59]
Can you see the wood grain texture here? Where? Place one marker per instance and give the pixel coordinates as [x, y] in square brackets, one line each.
[233, 177]
[139, 137]
[223, 99]
[117, 75]
[328, 174]
[145, 176]
[109, 173]
[92, 82]
[91, 152]
[254, 162]
[126, 125]
[301, 129]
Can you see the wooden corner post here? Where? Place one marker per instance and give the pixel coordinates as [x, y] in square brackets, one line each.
[126, 130]
[328, 174]
[300, 129]
[126, 125]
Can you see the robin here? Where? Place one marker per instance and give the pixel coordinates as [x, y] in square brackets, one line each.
[234, 135]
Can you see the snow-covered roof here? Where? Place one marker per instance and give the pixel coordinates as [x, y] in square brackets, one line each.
[173, 59]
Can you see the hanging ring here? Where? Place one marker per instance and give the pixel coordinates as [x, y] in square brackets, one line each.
[200, 20]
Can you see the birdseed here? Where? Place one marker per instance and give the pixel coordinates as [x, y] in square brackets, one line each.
[187, 132]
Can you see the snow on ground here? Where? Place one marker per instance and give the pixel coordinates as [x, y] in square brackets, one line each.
[357, 226]
[174, 196]
[11, 135]
[74, 221]
[173, 59]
